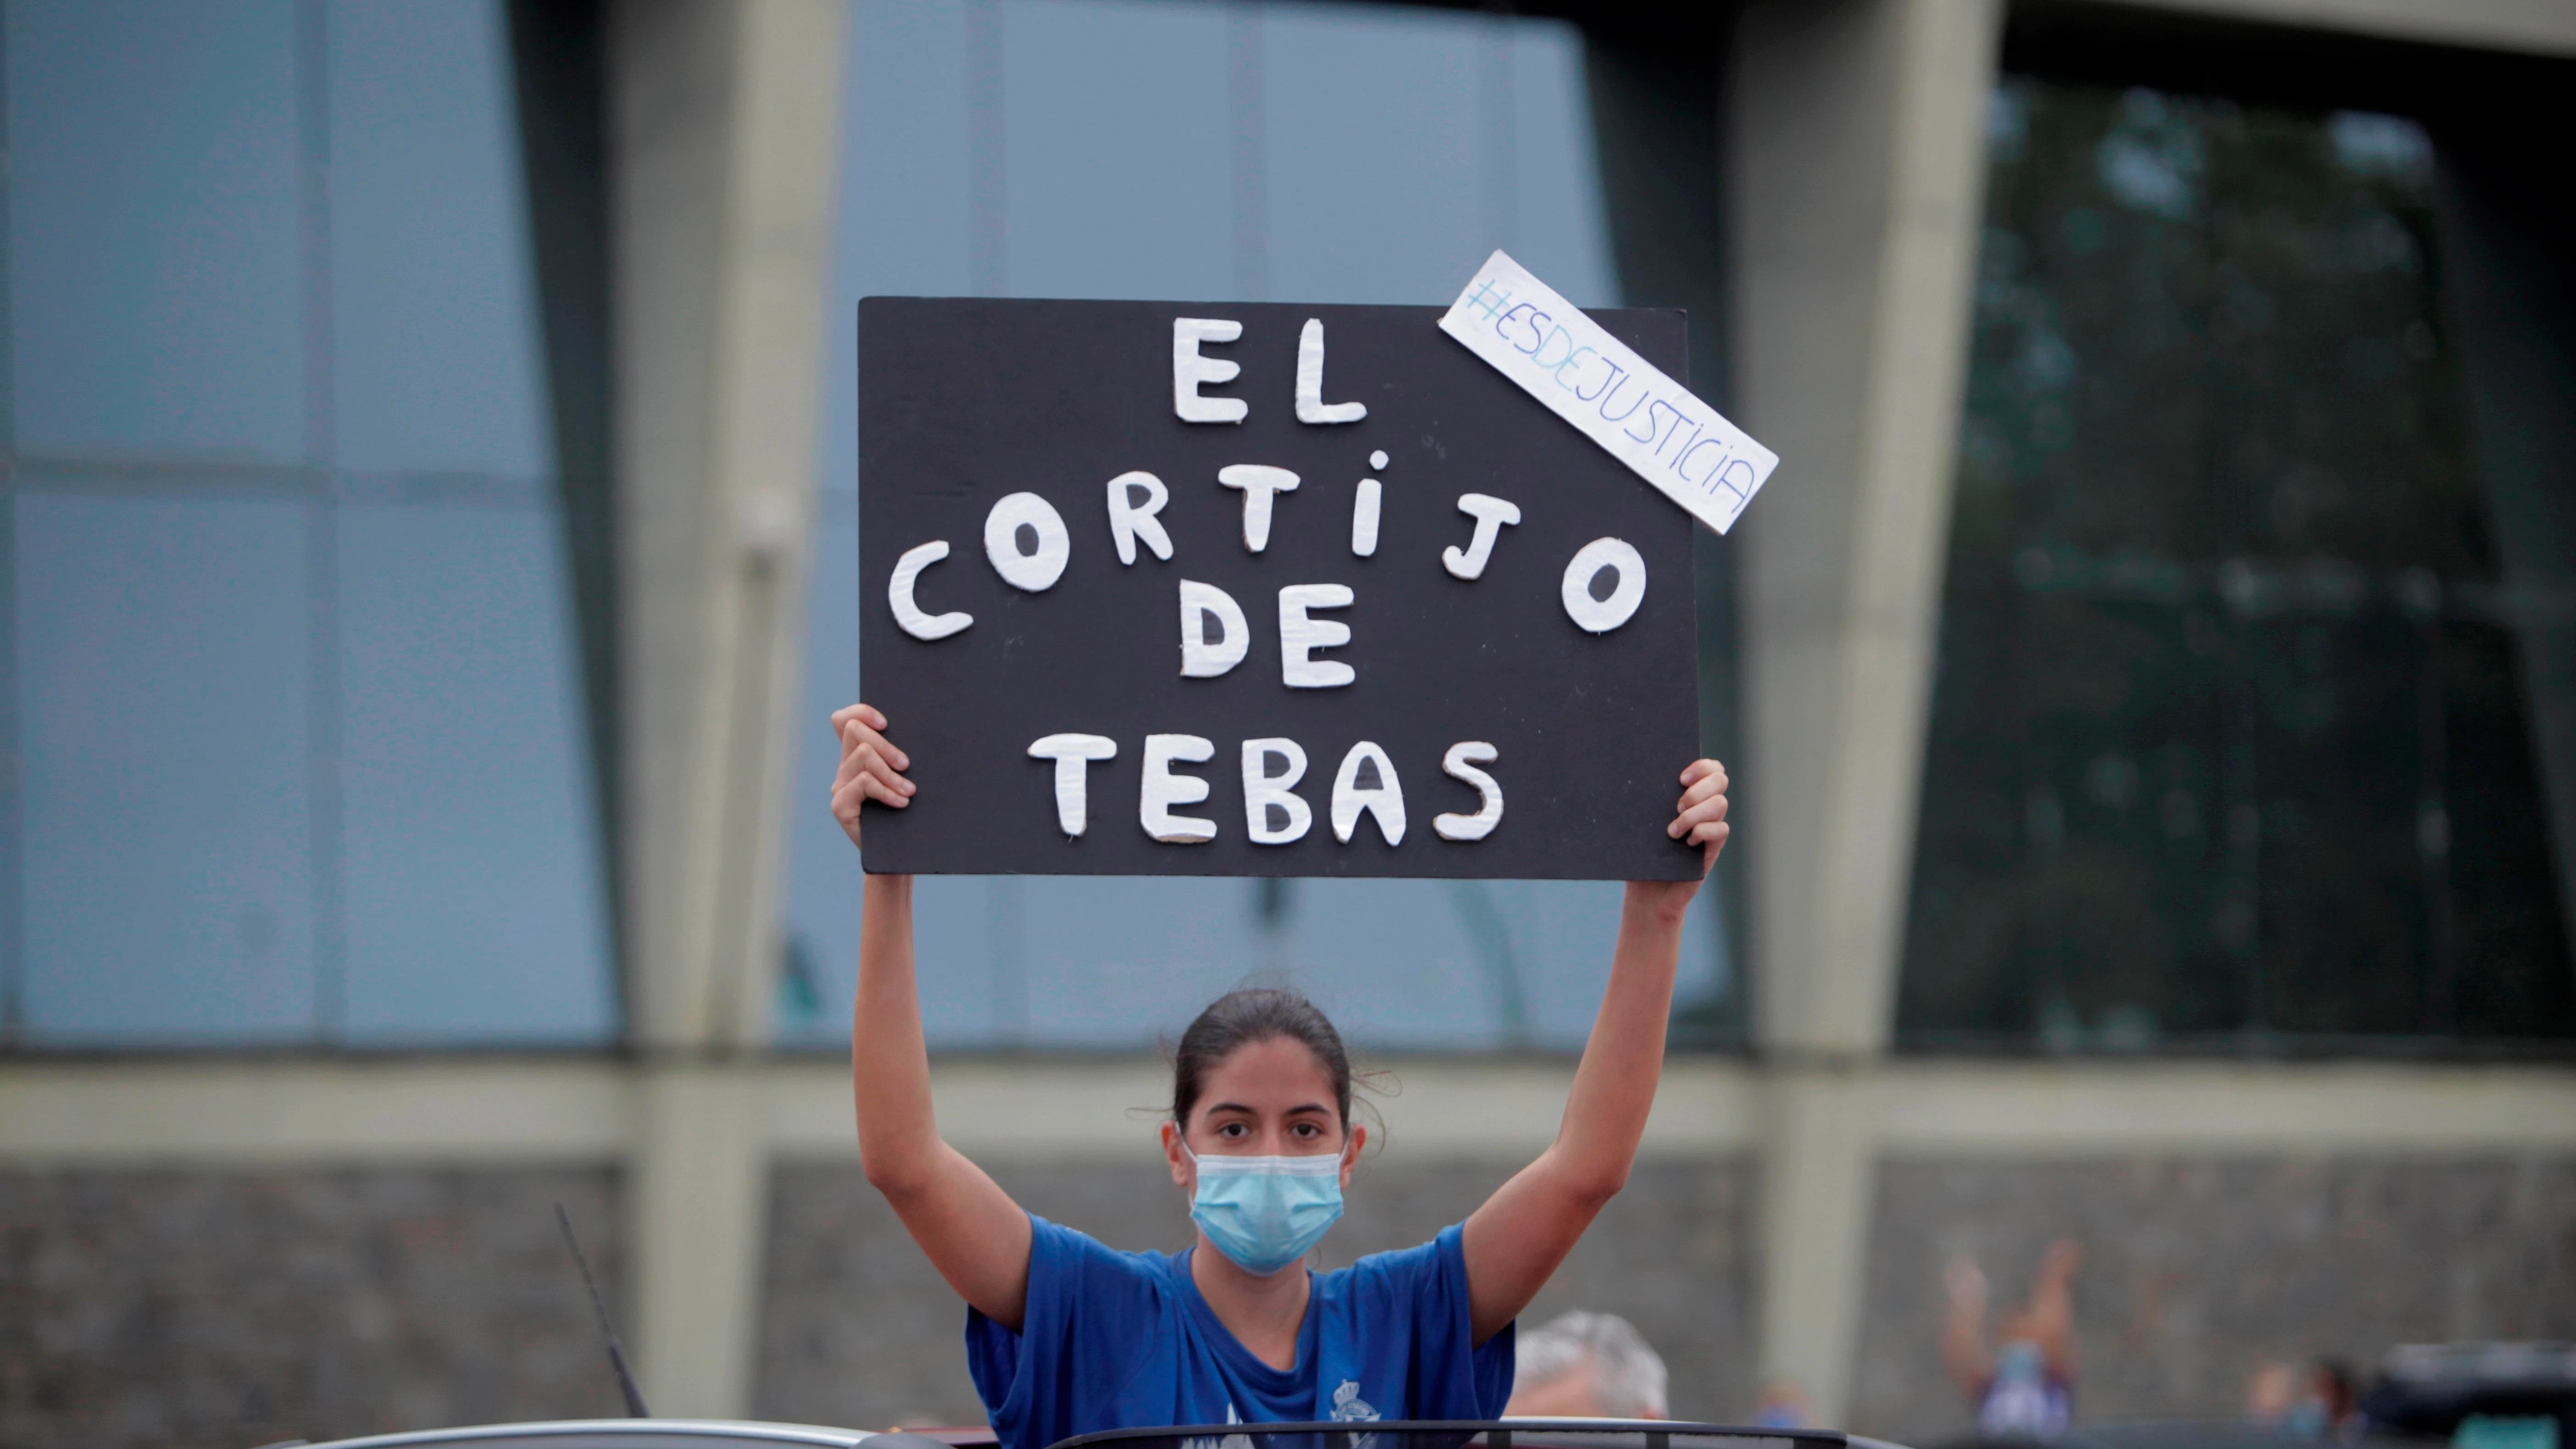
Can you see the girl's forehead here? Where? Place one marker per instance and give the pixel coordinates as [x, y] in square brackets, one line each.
[1273, 1067]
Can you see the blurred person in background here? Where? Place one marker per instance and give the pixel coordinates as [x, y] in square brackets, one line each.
[1783, 1405]
[2326, 1410]
[2271, 1392]
[2023, 1386]
[1587, 1366]
[2318, 1403]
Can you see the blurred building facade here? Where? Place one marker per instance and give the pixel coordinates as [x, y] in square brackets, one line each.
[430, 553]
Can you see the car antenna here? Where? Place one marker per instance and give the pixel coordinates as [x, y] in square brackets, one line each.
[616, 1351]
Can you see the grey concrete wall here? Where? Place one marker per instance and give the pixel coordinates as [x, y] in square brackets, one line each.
[236, 1308]
[209, 1307]
[2197, 1269]
[857, 1329]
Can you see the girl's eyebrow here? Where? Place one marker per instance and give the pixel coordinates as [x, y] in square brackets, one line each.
[1298, 1110]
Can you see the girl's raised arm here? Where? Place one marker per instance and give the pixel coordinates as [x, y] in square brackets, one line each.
[973, 1233]
[1516, 1240]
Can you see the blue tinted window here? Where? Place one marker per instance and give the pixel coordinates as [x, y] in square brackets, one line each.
[1329, 154]
[1376, 128]
[293, 670]
[434, 349]
[154, 218]
[1114, 150]
[164, 668]
[471, 854]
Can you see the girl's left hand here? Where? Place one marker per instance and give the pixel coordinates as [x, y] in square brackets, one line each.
[1700, 818]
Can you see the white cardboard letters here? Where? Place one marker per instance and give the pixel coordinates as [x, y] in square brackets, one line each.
[1600, 616]
[1035, 572]
[1161, 790]
[1263, 792]
[1189, 370]
[1311, 407]
[1461, 763]
[1385, 800]
[1257, 482]
[1073, 755]
[908, 615]
[1299, 635]
[1130, 520]
[1200, 658]
[1491, 514]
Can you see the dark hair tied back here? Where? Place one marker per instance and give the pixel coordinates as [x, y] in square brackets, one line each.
[1242, 1017]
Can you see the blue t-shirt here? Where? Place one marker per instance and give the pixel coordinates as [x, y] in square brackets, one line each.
[1115, 1340]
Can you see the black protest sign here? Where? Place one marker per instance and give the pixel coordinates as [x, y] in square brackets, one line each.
[1233, 589]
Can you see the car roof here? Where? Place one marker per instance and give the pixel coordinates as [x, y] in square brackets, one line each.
[748, 1434]
[1527, 1433]
[615, 1434]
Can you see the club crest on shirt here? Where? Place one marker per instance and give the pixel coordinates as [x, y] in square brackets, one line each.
[1350, 1408]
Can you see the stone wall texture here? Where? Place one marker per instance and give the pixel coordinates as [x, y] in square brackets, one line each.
[236, 1308]
[2197, 1269]
[857, 1329]
[227, 1309]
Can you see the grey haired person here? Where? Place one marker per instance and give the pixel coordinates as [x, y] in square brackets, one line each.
[1587, 1366]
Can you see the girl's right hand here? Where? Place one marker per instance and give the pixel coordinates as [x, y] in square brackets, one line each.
[870, 767]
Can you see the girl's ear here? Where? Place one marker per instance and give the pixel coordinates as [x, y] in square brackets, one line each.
[1351, 1152]
[1180, 1165]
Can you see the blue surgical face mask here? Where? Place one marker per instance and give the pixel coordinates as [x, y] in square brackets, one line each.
[1266, 1212]
[2018, 1362]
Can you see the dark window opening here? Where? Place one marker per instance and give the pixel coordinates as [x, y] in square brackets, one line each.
[2245, 713]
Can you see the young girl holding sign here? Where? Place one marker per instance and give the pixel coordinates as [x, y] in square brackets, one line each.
[1066, 1336]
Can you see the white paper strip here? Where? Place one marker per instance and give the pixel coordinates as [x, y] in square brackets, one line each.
[1621, 401]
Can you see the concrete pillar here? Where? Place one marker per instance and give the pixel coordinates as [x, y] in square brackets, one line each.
[1819, 1141]
[724, 127]
[1855, 161]
[697, 1199]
